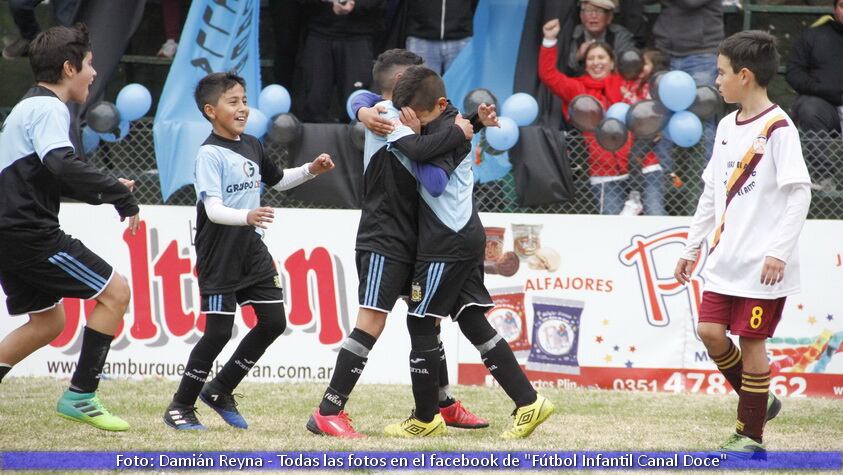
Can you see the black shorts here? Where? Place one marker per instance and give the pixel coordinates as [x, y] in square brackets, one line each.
[442, 289]
[72, 270]
[383, 280]
[265, 291]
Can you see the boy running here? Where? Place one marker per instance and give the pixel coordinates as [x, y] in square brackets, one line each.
[756, 199]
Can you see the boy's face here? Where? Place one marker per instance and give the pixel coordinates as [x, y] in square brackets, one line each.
[80, 81]
[426, 117]
[731, 84]
[230, 113]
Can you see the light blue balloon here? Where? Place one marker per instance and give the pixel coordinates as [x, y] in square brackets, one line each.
[503, 137]
[356, 93]
[274, 100]
[677, 90]
[257, 123]
[124, 131]
[684, 129]
[133, 101]
[618, 111]
[90, 139]
[522, 108]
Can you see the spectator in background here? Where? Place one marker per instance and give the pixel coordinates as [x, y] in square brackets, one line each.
[171, 12]
[23, 14]
[689, 31]
[596, 25]
[338, 51]
[438, 30]
[815, 72]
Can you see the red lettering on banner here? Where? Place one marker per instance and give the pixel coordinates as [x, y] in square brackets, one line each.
[653, 288]
[143, 326]
[170, 267]
[321, 264]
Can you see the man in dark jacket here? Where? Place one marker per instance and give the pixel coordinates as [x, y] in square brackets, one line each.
[338, 52]
[815, 72]
[438, 30]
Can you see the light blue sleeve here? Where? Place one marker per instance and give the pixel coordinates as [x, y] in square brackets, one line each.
[50, 128]
[400, 130]
[207, 176]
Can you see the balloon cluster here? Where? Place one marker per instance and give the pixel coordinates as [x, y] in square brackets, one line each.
[111, 121]
[518, 110]
[677, 109]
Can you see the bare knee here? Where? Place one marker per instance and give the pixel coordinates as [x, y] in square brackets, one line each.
[712, 335]
[116, 295]
[371, 321]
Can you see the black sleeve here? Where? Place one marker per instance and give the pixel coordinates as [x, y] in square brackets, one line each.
[271, 173]
[451, 160]
[474, 118]
[88, 184]
[797, 67]
[422, 148]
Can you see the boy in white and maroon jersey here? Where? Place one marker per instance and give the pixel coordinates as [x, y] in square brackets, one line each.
[756, 199]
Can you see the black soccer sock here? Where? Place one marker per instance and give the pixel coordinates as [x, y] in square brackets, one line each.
[424, 367]
[95, 347]
[445, 398]
[272, 321]
[4, 370]
[497, 356]
[350, 363]
[217, 334]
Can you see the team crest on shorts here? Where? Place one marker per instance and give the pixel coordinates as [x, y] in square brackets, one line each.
[277, 281]
[760, 144]
[416, 292]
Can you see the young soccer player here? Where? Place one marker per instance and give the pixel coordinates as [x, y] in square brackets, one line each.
[39, 263]
[386, 250]
[448, 274]
[756, 198]
[235, 267]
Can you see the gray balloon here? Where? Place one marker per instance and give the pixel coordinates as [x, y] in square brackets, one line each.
[103, 117]
[586, 112]
[647, 118]
[611, 134]
[476, 97]
[630, 64]
[286, 129]
[707, 103]
[357, 134]
[654, 84]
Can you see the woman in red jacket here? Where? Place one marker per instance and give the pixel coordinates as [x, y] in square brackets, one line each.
[608, 171]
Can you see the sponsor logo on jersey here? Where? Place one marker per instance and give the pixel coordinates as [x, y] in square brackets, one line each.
[246, 185]
[249, 168]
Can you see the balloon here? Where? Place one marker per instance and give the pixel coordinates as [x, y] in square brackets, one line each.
[90, 139]
[348, 102]
[476, 97]
[274, 100]
[611, 134]
[357, 134]
[503, 137]
[103, 117]
[677, 90]
[120, 132]
[654, 84]
[520, 107]
[586, 112]
[630, 64]
[685, 129]
[286, 129]
[646, 118]
[618, 111]
[707, 103]
[257, 123]
[133, 101]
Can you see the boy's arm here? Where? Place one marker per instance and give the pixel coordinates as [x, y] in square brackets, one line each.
[364, 99]
[88, 184]
[787, 233]
[431, 177]
[427, 147]
[293, 177]
[702, 224]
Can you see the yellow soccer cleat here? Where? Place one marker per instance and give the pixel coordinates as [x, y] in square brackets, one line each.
[527, 418]
[412, 427]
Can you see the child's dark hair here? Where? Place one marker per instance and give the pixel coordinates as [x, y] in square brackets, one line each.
[51, 48]
[660, 60]
[754, 50]
[387, 62]
[419, 88]
[212, 86]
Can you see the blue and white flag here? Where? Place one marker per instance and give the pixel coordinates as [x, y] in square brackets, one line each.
[217, 37]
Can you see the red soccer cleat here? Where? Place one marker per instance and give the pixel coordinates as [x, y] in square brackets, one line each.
[334, 426]
[456, 415]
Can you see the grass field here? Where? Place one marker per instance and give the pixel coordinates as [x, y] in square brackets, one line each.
[585, 420]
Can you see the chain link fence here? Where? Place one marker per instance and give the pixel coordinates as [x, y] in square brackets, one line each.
[134, 158]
